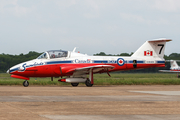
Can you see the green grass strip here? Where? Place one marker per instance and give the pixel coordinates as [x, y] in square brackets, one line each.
[104, 79]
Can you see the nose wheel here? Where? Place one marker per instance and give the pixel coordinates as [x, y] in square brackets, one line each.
[25, 83]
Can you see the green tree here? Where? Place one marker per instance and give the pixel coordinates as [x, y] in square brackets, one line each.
[100, 54]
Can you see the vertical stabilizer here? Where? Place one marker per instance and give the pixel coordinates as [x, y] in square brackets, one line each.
[174, 64]
[152, 49]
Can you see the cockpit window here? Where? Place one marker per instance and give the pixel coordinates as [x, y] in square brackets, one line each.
[57, 54]
[43, 56]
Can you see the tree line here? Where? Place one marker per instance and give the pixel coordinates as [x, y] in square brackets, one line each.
[7, 61]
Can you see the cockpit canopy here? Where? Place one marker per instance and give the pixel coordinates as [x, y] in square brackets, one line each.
[53, 54]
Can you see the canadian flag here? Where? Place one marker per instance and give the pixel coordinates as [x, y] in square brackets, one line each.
[148, 53]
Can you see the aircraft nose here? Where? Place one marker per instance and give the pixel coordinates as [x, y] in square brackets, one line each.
[8, 71]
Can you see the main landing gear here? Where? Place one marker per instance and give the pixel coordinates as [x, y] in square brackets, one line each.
[74, 84]
[75, 81]
[178, 76]
[88, 83]
[25, 83]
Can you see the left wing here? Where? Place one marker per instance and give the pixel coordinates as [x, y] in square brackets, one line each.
[96, 69]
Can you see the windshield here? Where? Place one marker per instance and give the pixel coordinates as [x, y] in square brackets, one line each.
[57, 54]
[43, 56]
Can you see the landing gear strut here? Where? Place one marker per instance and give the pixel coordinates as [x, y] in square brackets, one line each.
[25, 83]
[90, 81]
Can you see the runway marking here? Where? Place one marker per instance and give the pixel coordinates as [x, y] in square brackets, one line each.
[88, 98]
[112, 117]
[177, 93]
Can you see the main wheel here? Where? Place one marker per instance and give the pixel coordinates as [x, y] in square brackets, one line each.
[74, 84]
[25, 83]
[88, 83]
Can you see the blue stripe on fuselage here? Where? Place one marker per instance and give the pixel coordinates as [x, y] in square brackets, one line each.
[12, 70]
[131, 61]
[160, 61]
[100, 61]
[58, 62]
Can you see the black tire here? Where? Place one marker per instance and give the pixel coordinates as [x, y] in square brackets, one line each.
[88, 83]
[74, 84]
[25, 83]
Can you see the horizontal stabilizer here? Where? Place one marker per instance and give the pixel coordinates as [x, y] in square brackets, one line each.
[160, 40]
[170, 71]
[172, 60]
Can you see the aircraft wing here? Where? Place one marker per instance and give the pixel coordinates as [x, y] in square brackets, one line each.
[96, 69]
[169, 71]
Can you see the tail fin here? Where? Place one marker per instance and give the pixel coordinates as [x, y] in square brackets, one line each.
[154, 48]
[174, 64]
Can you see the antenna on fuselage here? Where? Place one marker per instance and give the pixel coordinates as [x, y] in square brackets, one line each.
[74, 49]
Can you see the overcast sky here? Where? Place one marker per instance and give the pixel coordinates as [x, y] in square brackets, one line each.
[110, 26]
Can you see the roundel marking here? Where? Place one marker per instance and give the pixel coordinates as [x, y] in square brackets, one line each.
[120, 61]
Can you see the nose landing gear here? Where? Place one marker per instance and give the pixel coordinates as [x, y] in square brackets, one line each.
[25, 83]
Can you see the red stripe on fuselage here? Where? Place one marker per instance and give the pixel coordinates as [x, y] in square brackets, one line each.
[55, 71]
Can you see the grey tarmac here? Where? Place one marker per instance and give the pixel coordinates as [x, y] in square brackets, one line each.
[135, 102]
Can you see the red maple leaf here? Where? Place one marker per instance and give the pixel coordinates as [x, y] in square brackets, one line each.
[120, 61]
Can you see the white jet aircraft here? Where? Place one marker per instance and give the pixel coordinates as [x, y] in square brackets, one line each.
[76, 66]
[174, 67]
